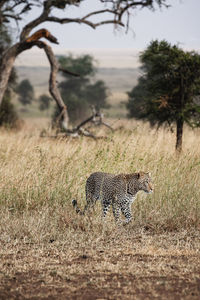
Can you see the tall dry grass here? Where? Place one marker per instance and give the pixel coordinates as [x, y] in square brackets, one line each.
[40, 176]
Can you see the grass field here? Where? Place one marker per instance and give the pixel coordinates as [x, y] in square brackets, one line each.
[49, 252]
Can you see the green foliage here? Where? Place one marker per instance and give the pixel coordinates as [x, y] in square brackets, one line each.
[82, 65]
[8, 114]
[78, 93]
[44, 102]
[25, 91]
[96, 94]
[168, 92]
[169, 87]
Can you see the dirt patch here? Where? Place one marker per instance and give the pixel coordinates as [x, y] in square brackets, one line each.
[98, 275]
[99, 286]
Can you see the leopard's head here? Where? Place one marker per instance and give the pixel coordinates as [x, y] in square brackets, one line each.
[145, 182]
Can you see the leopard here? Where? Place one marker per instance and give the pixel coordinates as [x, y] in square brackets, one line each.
[116, 190]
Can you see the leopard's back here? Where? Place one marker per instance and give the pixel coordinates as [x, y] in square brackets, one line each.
[104, 184]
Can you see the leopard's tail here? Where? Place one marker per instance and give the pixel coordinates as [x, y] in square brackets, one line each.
[75, 205]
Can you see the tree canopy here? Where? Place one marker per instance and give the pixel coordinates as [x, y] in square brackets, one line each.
[25, 91]
[44, 102]
[169, 89]
[79, 93]
[115, 10]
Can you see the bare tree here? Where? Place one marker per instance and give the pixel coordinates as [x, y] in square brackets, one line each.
[115, 12]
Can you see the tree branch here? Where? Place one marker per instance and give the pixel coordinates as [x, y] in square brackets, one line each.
[42, 33]
[53, 89]
[42, 18]
[99, 12]
[15, 17]
[45, 17]
[117, 9]
[132, 4]
[83, 21]
[68, 72]
[86, 121]
[2, 3]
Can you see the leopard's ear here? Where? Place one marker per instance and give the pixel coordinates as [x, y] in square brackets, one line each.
[140, 175]
[149, 173]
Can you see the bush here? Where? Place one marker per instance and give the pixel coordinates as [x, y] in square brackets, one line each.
[8, 113]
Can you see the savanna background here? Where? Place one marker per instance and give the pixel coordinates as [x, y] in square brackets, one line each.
[47, 250]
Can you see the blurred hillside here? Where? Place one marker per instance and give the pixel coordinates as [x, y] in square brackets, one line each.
[118, 81]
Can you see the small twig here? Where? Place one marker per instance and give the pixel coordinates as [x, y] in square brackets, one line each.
[86, 121]
[69, 72]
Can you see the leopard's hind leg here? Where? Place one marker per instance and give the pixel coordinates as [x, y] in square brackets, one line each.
[116, 211]
[90, 202]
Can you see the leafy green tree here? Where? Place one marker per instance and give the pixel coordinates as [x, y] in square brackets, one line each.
[168, 91]
[25, 91]
[78, 93]
[44, 102]
[8, 113]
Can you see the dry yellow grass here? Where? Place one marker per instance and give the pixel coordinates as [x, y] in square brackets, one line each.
[45, 244]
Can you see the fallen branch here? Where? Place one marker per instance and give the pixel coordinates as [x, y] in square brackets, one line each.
[96, 118]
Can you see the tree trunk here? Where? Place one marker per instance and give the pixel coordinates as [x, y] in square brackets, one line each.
[7, 63]
[179, 134]
[8, 60]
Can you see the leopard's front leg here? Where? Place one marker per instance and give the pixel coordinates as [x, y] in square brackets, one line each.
[126, 211]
